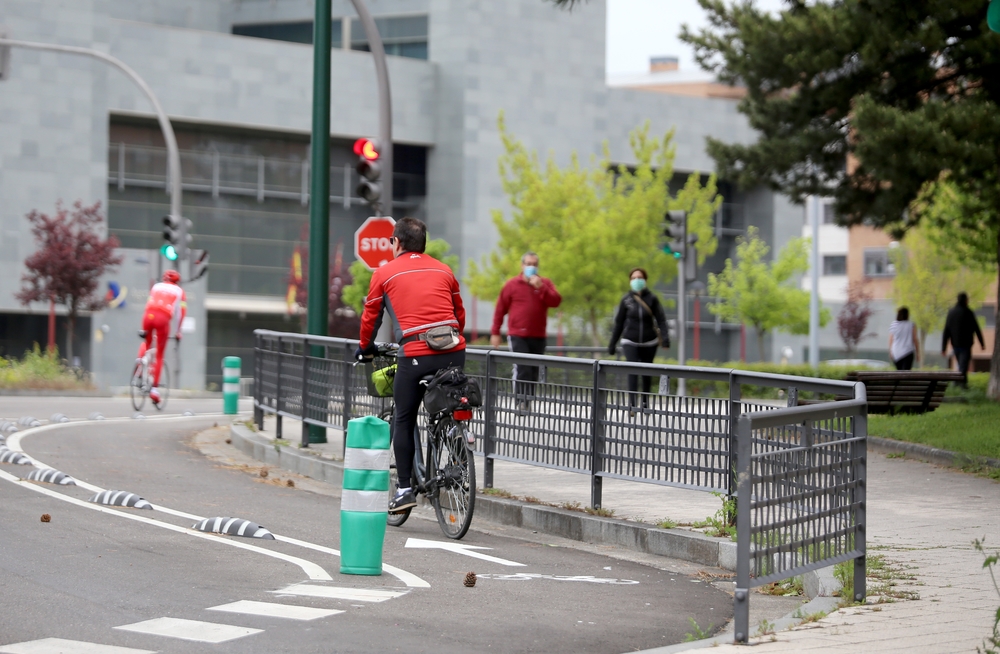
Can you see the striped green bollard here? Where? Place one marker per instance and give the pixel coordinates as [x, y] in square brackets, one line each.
[230, 385]
[365, 499]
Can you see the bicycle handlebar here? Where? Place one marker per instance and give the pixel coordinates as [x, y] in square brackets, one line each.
[382, 350]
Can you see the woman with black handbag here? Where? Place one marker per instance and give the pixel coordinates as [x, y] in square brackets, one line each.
[642, 327]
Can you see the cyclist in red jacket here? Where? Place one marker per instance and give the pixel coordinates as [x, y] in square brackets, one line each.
[525, 300]
[421, 295]
[165, 311]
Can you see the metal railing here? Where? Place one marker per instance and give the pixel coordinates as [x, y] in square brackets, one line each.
[238, 174]
[796, 473]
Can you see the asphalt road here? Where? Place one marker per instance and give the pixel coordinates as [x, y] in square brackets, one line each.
[101, 577]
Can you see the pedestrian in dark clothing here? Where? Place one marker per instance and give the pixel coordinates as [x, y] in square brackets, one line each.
[959, 327]
[525, 300]
[642, 327]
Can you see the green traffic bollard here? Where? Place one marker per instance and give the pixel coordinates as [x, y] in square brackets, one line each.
[230, 385]
[364, 503]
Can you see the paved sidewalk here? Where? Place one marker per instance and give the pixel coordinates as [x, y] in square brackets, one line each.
[921, 518]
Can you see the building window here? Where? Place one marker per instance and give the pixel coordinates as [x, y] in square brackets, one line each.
[829, 216]
[877, 263]
[403, 36]
[292, 32]
[835, 264]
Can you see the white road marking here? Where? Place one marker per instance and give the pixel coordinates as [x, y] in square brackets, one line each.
[407, 578]
[526, 576]
[62, 646]
[275, 610]
[312, 570]
[459, 548]
[333, 592]
[196, 630]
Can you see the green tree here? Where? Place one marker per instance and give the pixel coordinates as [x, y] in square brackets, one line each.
[762, 294]
[590, 225]
[929, 278]
[354, 294]
[869, 101]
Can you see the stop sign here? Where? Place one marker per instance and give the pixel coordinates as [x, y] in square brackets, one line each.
[371, 241]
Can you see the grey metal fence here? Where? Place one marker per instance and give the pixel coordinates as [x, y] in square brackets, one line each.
[797, 473]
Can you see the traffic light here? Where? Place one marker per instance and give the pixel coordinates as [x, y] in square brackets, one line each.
[993, 15]
[199, 265]
[176, 234]
[369, 170]
[674, 230]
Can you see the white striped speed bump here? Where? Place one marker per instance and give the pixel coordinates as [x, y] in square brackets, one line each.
[96, 415]
[28, 421]
[10, 456]
[233, 527]
[7, 427]
[364, 502]
[51, 476]
[58, 417]
[120, 498]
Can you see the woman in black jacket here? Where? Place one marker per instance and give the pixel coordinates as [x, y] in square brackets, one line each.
[642, 327]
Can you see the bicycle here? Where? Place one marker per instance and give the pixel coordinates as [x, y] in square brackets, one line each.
[444, 468]
[142, 377]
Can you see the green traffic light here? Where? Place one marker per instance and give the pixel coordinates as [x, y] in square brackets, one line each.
[993, 15]
[169, 251]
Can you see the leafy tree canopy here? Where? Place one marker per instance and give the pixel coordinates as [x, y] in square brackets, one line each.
[758, 292]
[590, 225]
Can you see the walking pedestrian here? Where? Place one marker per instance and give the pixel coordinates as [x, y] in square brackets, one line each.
[903, 340]
[959, 327]
[525, 300]
[642, 327]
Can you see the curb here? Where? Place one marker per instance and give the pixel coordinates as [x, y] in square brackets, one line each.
[45, 392]
[931, 454]
[573, 525]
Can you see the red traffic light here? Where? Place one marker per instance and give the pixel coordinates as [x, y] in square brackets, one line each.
[366, 148]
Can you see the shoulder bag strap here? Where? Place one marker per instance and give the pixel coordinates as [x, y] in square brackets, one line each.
[656, 328]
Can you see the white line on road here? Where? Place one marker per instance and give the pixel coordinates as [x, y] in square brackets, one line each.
[14, 443]
[333, 592]
[196, 630]
[274, 610]
[62, 646]
[312, 570]
[459, 548]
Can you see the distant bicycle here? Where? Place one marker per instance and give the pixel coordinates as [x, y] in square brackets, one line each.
[142, 377]
[444, 468]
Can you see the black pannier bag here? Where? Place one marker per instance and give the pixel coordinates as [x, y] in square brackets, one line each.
[447, 388]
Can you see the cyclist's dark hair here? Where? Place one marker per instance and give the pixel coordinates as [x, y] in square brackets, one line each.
[412, 234]
[903, 314]
[963, 299]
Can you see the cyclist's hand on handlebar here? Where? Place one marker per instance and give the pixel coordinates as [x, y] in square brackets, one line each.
[177, 337]
[142, 333]
[367, 353]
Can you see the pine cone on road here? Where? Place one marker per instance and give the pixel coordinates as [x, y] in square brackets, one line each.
[470, 579]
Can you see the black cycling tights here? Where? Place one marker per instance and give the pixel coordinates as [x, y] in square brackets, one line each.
[407, 393]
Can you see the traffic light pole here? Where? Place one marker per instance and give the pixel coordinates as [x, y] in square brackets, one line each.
[384, 103]
[173, 155]
[682, 322]
[319, 192]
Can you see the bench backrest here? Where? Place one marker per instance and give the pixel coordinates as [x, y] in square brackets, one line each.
[904, 391]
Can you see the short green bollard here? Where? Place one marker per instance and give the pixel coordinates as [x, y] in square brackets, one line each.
[230, 385]
[364, 503]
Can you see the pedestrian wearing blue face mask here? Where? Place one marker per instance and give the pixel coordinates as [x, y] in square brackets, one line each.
[642, 327]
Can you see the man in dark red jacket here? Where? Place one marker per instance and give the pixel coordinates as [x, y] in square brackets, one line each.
[419, 293]
[525, 300]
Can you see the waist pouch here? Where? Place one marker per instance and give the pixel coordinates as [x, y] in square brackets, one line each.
[446, 389]
[444, 337]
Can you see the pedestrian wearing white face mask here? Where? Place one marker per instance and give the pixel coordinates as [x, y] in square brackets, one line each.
[642, 327]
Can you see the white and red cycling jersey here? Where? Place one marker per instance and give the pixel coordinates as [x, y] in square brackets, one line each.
[170, 301]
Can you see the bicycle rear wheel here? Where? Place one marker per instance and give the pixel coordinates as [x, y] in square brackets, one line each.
[135, 389]
[393, 519]
[455, 470]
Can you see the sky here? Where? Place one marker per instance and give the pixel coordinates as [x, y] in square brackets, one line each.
[640, 29]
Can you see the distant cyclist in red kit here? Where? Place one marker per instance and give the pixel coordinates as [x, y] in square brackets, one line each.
[165, 310]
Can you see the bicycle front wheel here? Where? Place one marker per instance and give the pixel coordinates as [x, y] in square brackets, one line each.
[135, 389]
[455, 472]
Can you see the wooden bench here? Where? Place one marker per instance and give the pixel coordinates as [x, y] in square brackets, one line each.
[904, 391]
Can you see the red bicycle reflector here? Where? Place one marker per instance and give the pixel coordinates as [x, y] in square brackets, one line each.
[462, 414]
[366, 148]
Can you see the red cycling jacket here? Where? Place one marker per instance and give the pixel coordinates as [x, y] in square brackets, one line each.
[419, 292]
[527, 306]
